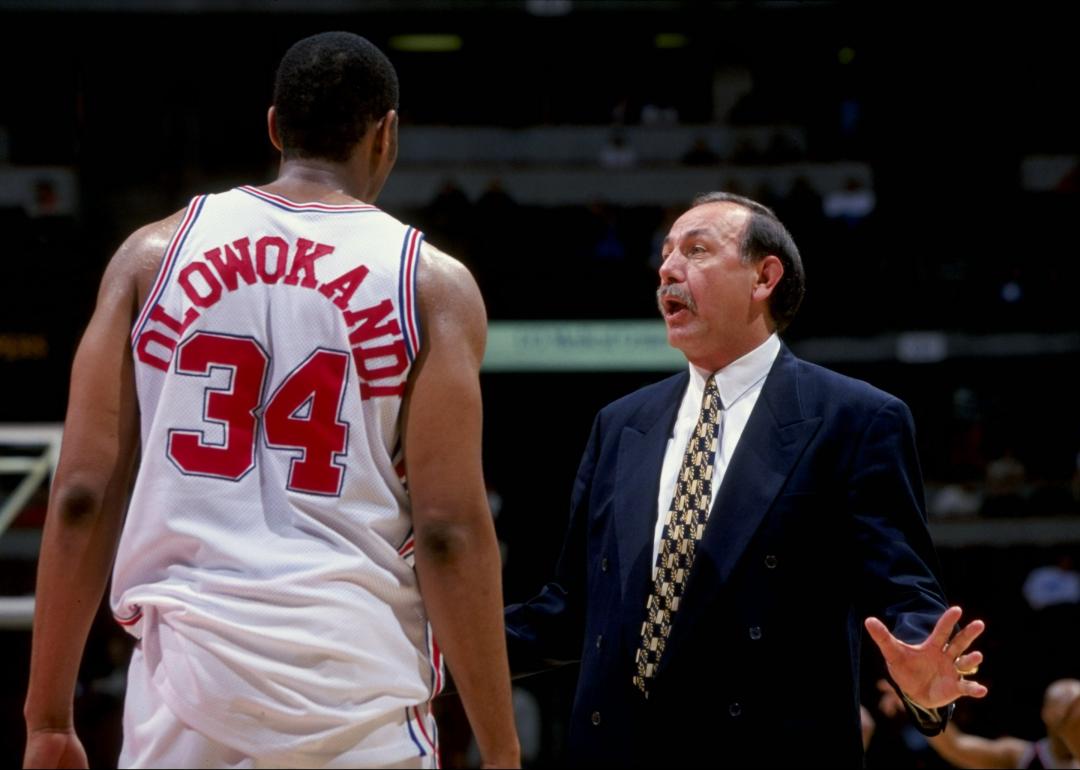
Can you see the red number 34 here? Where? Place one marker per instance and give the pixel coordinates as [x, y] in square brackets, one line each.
[300, 416]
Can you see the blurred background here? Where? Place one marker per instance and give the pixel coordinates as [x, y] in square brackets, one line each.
[924, 158]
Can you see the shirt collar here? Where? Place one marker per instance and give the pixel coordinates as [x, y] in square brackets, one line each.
[738, 377]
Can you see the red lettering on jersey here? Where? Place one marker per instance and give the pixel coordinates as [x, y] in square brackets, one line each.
[210, 294]
[154, 337]
[369, 319]
[345, 286]
[395, 349]
[262, 247]
[304, 261]
[232, 265]
[375, 391]
[158, 314]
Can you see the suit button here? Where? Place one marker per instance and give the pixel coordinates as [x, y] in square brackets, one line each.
[770, 561]
[755, 632]
[603, 564]
[596, 717]
[599, 641]
[734, 709]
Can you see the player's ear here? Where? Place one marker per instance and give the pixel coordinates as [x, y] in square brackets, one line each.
[272, 129]
[386, 134]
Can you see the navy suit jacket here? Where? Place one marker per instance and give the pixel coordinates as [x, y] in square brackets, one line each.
[819, 522]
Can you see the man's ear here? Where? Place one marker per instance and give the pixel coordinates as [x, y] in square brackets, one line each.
[272, 129]
[386, 132]
[769, 272]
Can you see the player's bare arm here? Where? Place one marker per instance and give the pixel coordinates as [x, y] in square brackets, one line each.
[86, 502]
[457, 558]
[963, 750]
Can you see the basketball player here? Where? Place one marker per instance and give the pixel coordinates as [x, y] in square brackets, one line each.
[961, 749]
[297, 372]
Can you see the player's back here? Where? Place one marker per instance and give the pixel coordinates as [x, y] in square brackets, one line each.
[267, 545]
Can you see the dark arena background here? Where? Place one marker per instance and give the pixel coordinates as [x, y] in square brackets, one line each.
[924, 159]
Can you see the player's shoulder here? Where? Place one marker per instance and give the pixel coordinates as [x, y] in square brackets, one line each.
[150, 240]
[444, 282]
[444, 269]
[139, 256]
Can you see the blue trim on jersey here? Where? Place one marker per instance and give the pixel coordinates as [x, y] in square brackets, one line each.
[402, 309]
[152, 300]
[415, 299]
[332, 208]
[408, 722]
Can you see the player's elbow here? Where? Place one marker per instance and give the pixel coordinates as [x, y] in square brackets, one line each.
[446, 540]
[76, 502]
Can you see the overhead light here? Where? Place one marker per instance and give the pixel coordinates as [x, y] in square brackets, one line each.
[548, 7]
[671, 40]
[426, 43]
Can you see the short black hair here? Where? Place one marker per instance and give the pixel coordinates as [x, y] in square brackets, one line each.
[329, 89]
[765, 234]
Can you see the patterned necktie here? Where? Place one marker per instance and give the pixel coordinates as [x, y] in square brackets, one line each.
[686, 518]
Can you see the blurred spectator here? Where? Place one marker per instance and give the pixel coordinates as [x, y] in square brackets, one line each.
[963, 750]
[1052, 585]
[730, 84]
[1011, 291]
[955, 499]
[852, 204]
[46, 199]
[449, 217]
[850, 125]
[746, 152]
[1006, 485]
[657, 115]
[609, 245]
[700, 154]
[495, 203]
[617, 153]
[782, 149]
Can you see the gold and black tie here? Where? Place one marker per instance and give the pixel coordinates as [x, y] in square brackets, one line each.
[685, 523]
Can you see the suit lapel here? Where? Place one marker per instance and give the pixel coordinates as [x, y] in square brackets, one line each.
[637, 484]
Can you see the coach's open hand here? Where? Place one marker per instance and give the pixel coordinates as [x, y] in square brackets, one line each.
[932, 674]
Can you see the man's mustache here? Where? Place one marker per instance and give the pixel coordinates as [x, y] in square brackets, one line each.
[675, 292]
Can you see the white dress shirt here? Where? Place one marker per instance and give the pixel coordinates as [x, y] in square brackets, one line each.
[740, 384]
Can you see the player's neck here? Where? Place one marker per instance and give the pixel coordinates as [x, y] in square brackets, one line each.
[311, 179]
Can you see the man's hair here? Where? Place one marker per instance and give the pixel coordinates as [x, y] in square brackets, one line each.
[329, 89]
[764, 235]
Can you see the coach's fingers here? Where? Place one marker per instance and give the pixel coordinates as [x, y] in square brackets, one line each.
[939, 637]
[889, 645]
[958, 644]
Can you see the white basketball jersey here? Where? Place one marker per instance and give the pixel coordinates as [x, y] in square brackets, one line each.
[266, 559]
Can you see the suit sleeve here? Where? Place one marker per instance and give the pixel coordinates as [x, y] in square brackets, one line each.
[899, 566]
[548, 629]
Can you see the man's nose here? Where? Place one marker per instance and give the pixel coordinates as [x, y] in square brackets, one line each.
[671, 269]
